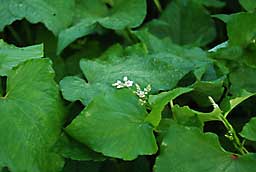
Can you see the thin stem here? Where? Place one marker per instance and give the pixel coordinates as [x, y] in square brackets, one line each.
[233, 136]
[15, 35]
[158, 5]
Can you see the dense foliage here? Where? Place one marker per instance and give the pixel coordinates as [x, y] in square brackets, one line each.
[127, 85]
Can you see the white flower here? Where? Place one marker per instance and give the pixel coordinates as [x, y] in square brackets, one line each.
[118, 84]
[128, 83]
[141, 94]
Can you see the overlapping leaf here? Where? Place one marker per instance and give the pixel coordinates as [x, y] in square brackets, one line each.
[11, 56]
[114, 124]
[249, 130]
[114, 14]
[161, 70]
[180, 152]
[69, 148]
[159, 101]
[31, 115]
[56, 15]
[185, 22]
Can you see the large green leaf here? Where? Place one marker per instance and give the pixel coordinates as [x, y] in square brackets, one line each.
[90, 13]
[185, 22]
[114, 124]
[249, 130]
[241, 29]
[56, 15]
[11, 56]
[187, 149]
[249, 5]
[162, 71]
[229, 103]
[31, 115]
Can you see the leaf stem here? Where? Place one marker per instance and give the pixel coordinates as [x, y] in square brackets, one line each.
[233, 136]
[158, 5]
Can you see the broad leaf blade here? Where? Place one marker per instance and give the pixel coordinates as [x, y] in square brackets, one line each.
[69, 148]
[114, 125]
[179, 153]
[249, 5]
[89, 13]
[56, 15]
[162, 71]
[249, 130]
[11, 56]
[241, 31]
[186, 22]
[31, 118]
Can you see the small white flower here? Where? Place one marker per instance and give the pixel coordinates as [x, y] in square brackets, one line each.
[125, 79]
[118, 84]
[128, 83]
[141, 94]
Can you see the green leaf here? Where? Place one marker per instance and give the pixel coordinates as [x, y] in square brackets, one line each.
[241, 29]
[223, 17]
[56, 15]
[90, 13]
[31, 119]
[161, 70]
[185, 22]
[69, 148]
[231, 102]
[188, 149]
[249, 130]
[114, 124]
[189, 117]
[82, 166]
[159, 101]
[211, 3]
[204, 89]
[11, 56]
[249, 5]
[241, 78]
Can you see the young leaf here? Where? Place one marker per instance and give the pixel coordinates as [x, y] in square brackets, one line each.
[89, 13]
[188, 149]
[56, 15]
[249, 130]
[159, 101]
[114, 124]
[31, 118]
[11, 56]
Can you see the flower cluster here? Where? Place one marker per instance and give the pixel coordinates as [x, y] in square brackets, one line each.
[141, 93]
[126, 83]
